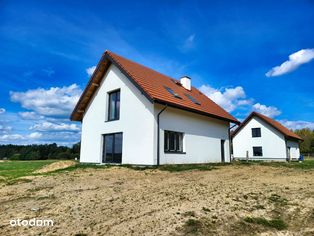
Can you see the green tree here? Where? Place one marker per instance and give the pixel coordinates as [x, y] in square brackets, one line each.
[307, 146]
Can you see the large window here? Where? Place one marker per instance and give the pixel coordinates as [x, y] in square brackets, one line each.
[173, 142]
[114, 105]
[256, 132]
[112, 148]
[257, 151]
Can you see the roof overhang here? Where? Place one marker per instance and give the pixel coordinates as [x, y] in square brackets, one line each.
[96, 79]
[255, 114]
[94, 83]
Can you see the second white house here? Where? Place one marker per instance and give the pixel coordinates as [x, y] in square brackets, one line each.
[262, 138]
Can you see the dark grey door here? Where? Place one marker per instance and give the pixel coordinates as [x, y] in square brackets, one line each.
[222, 147]
[112, 148]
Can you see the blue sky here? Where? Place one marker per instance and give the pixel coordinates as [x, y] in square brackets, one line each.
[228, 48]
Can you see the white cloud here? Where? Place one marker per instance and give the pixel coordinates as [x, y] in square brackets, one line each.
[90, 70]
[298, 124]
[30, 115]
[2, 110]
[269, 111]
[189, 42]
[5, 129]
[56, 101]
[228, 98]
[48, 126]
[232, 99]
[62, 133]
[295, 60]
[35, 135]
[11, 137]
[48, 71]
[19, 137]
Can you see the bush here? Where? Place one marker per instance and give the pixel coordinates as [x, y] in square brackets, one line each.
[64, 155]
[15, 157]
[32, 155]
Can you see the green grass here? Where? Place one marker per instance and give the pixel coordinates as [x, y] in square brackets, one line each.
[307, 164]
[277, 223]
[187, 167]
[169, 168]
[81, 166]
[10, 170]
[14, 169]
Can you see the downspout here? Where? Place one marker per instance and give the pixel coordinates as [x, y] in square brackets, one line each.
[287, 156]
[158, 135]
[230, 140]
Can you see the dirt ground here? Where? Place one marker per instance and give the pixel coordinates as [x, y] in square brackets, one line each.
[122, 201]
[55, 166]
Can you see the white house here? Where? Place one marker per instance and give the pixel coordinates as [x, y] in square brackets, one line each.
[262, 138]
[131, 114]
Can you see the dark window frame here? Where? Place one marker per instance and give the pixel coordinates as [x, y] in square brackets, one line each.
[113, 147]
[176, 144]
[116, 115]
[255, 152]
[256, 132]
[170, 90]
[192, 99]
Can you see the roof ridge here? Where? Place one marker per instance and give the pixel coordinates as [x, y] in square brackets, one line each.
[134, 62]
[272, 122]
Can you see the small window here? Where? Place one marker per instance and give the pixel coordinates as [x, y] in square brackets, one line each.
[256, 132]
[257, 151]
[114, 106]
[173, 93]
[173, 141]
[192, 99]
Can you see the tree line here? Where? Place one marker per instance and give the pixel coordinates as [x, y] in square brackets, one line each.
[39, 152]
[307, 146]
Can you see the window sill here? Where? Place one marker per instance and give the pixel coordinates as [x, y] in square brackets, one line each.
[169, 152]
[111, 120]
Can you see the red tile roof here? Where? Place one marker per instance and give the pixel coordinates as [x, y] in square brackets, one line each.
[152, 84]
[275, 124]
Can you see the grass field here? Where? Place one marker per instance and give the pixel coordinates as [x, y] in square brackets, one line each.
[15, 169]
[241, 198]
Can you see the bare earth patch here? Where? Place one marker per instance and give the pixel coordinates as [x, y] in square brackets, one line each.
[55, 166]
[229, 200]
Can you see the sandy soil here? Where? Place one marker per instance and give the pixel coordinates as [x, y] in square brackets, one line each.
[55, 166]
[121, 201]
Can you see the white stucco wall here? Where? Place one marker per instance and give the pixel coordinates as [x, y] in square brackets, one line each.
[272, 141]
[202, 136]
[294, 149]
[136, 122]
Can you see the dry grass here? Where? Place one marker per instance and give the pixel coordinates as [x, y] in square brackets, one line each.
[227, 200]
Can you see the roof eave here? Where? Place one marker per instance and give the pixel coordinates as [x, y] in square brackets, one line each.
[105, 58]
[74, 115]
